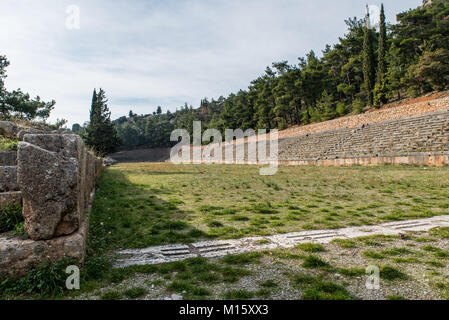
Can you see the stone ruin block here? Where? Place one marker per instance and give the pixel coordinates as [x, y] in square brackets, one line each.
[8, 158]
[8, 179]
[56, 175]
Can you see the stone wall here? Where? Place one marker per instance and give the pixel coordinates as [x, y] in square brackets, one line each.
[52, 175]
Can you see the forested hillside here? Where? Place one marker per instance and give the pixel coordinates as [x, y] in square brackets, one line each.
[367, 67]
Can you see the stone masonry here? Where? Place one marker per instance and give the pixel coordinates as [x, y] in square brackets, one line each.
[421, 139]
[52, 176]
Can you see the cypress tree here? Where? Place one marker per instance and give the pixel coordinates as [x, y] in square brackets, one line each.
[101, 133]
[381, 94]
[382, 69]
[369, 71]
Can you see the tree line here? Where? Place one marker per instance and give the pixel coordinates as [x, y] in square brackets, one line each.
[368, 67]
[17, 104]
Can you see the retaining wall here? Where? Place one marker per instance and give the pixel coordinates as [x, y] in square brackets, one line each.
[52, 175]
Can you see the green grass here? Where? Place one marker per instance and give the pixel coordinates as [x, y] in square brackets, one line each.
[11, 218]
[136, 292]
[373, 254]
[395, 297]
[396, 252]
[140, 205]
[144, 204]
[440, 232]
[238, 295]
[242, 259]
[345, 243]
[311, 247]
[317, 288]
[391, 273]
[352, 272]
[111, 295]
[312, 262]
[7, 144]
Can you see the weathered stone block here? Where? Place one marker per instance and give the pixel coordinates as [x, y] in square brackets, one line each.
[23, 132]
[50, 185]
[17, 255]
[9, 129]
[8, 179]
[68, 145]
[8, 158]
[10, 198]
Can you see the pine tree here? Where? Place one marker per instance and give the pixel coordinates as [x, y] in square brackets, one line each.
[101, 133]
[369, 71]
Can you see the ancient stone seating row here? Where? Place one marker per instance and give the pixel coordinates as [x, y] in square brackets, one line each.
[422, 133]
[427, 133]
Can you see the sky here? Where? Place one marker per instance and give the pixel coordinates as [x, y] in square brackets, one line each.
[149, 53]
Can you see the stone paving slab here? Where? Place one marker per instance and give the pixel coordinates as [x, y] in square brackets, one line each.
[221, 248]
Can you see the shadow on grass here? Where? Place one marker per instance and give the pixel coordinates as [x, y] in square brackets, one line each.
[126, 215]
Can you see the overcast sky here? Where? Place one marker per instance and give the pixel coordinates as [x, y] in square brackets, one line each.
[146, 53]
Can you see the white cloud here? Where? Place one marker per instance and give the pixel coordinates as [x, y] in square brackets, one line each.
[150, 53]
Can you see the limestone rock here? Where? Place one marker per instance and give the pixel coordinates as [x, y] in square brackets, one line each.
[17, 255]
[49, 186]
[8, 179]
[8, 158]
[9, 129]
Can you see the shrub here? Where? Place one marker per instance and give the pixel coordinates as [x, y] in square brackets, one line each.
[10, 217]
[358, 106]
[47, 279]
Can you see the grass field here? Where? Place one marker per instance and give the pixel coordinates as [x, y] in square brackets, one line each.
[144, 204]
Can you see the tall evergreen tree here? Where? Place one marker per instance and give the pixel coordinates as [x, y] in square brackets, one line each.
[382, 68]
[101, 133]
[369, 71]
[381, 90]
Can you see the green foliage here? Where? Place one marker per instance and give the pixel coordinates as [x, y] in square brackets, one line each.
[358, 106]
[431, 72]
[314, 262]
[19, 104]
[381, 93]
[440, 232]
[8, 144]
[364, 67]
[45, 280]
[242, 259]
[136, 292]
[101, 134]
[369, 67]
[317, 288]
[311, 247]
[341, 109]
[10, 218]
[382, 51]
[392, 274]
